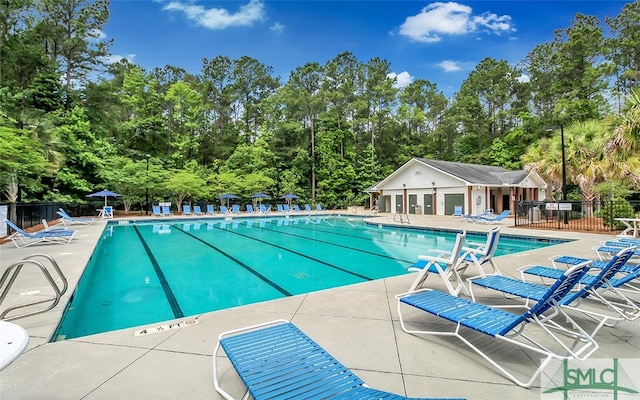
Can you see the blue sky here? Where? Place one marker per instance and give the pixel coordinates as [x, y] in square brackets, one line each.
[438, 41]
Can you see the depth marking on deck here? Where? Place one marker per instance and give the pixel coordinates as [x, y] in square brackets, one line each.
[166, 327]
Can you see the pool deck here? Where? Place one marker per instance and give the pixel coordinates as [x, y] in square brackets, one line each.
[357, 324]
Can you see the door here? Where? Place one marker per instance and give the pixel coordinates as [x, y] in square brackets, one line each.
[428, 204]
[413, 200]
[382, 203]
[451, 200]
[399, 204]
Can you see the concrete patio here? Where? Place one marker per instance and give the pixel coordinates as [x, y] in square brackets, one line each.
[357, 324]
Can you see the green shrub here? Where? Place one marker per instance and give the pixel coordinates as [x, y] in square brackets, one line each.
[618, 208]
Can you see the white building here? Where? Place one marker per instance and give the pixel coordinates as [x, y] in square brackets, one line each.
[435, 187]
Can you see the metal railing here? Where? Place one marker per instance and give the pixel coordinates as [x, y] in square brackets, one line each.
[596, 217]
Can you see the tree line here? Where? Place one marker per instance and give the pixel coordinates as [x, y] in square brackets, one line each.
[71, 123]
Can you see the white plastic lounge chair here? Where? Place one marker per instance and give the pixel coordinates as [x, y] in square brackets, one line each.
[166, 210]
[211, 210]
[457, 211]
[69, 220]
[22, 238]
[505, 326]
[186, 210]
[479, 254]
[276, 360]
[590, 286]
[446, 264]
[197, 210]
[156, 211]
[494, 219]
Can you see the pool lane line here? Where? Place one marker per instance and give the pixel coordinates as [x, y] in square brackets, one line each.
[240, 263]
[337, 245]
[366, 278]
[171, 298]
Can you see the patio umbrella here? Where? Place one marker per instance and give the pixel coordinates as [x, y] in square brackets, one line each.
[105, 194]
[290, 196]
[259, 196]
[228, 196]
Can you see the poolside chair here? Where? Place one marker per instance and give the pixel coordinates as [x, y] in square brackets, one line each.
[319, 207]
[47, 228]
[197, 210]
[286, 208]
[590, 286]
[250, 209]
[296, 208]
[186, 210]
[156, 211]
[166, 210]
[22, 238]
[211, 210]
[505, 326]
[277, 360]
[307, 208]
[494, 219]
[224, 210]
[479, 254]
[472, 218]
[446, 264]
[235, 209]
[69, 220]
[457, 211]
[280, 208]
[107, 212]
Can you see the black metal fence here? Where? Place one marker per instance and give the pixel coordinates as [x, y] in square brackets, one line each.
[576, 215]
[30, 214]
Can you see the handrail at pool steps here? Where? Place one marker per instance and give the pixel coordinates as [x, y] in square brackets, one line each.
[42, 262]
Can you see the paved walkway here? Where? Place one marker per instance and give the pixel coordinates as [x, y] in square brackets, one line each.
[358, 324]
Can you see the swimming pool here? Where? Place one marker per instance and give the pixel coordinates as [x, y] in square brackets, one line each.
[142, 272]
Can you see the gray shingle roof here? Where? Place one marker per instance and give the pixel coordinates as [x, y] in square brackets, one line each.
[477, 174]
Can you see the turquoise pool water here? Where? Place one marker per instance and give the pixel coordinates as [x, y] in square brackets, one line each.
[143, 273]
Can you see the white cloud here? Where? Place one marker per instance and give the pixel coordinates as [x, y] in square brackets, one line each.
[403, 79]
[438, 19]
[277, 27]
[524, 78]
[114, 58]
[450, 66]
[220, 18]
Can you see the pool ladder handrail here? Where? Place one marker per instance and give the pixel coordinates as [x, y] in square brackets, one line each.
[10, 275]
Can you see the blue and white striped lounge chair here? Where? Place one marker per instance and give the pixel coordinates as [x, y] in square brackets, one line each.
[318, 207]
[296, 208]
[276, 360]
[197, 210]
[211, 210]
[590, 286]
[493, 219]
[155, 211]
[250, 209]
[22, 238]
[224, 210]
[166, 210]
[69, 220]
[280, 208]
[186, 210]
[235, 209]
[307, 208]
[286, 208]
[447, 264]
[505, 326]
[480, 254]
